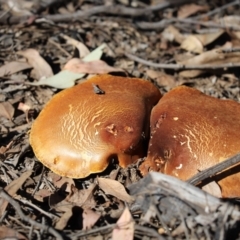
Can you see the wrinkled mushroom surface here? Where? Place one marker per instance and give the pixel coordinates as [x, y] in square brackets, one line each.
[190, 132]
[82, 128]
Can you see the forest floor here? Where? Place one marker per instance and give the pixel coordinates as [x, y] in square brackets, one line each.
[170, 43]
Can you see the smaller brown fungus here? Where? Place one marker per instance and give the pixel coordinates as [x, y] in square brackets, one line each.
[190, 132]
[80, 129]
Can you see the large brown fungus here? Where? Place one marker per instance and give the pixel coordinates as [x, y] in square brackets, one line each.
[83, 127]
[190, 132]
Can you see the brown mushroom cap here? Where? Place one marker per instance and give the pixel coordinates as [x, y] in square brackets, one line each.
[190, 132]
[79, 131]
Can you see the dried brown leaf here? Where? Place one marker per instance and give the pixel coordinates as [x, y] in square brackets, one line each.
[83, 50]
[41, 194]
[41, 67]
[162, 78]
[192, 44]
[82, 198]
[18, 7]
[89, 218]
[213, 188]
[125, 227]
[66, 208]
[8, 233]
[114, 188]
[60, 182]
[209, 37]
[76, 65]
[212, 57]
[190, 9]
[24, 107]
[13, 67]
[12, 188]
[172, 34]
[6, 110]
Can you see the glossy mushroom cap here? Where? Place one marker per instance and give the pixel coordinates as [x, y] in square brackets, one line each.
[82, 128]
[190, 132]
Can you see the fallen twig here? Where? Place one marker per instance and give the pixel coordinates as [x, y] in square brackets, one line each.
[118, 10]
[181, 66]
[230, 162]
[24, 218]
[165, 22]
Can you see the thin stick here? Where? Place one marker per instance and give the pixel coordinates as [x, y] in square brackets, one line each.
[181, 66]
[217, 10]
[117, 9]
[214, 170]
[163, 23]
[24, 218]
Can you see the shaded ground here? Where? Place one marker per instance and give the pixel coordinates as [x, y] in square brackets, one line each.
[158, 41]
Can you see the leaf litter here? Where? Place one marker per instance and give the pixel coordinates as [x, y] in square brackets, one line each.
[203, 37]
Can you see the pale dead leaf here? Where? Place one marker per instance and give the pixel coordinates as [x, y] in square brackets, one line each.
[125, 227]
[230, 22]
[76, 65]
[12, 188]
[172, 34]
[83, 50]
[89, 218]
[59, 181]
[209, 37]
[23, 107]
[42, 194]
[162, 78]
[151, 213]
[61, 80]
[41, 67]
[18, 7]
[192, 44]
[190, 9]
[13, 67]
[212, 57]
[10, 234]
[82, 198]
[6, 110]
[114, 188]
[213, 188]
[66, 79]
[66, 208]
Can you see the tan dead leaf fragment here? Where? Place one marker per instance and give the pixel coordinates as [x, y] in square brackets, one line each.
[82, 198]
[65, 78]
[18, 7]
[213, 188]
[125, 227]
[195, 43]
[162, 78]
[172, 34]
[7, 110]
[12, 188]
[41, 67]
[42, 194]
[83, 50]
[66, 208]
[13, 67]
[114, 188]
[10, 234]
[23, 107]
[190, 9]
[209, 37]
[76, 65]
[89, 218]
[212, 57]
[59, 181]
[230, 22]
[192, 44]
